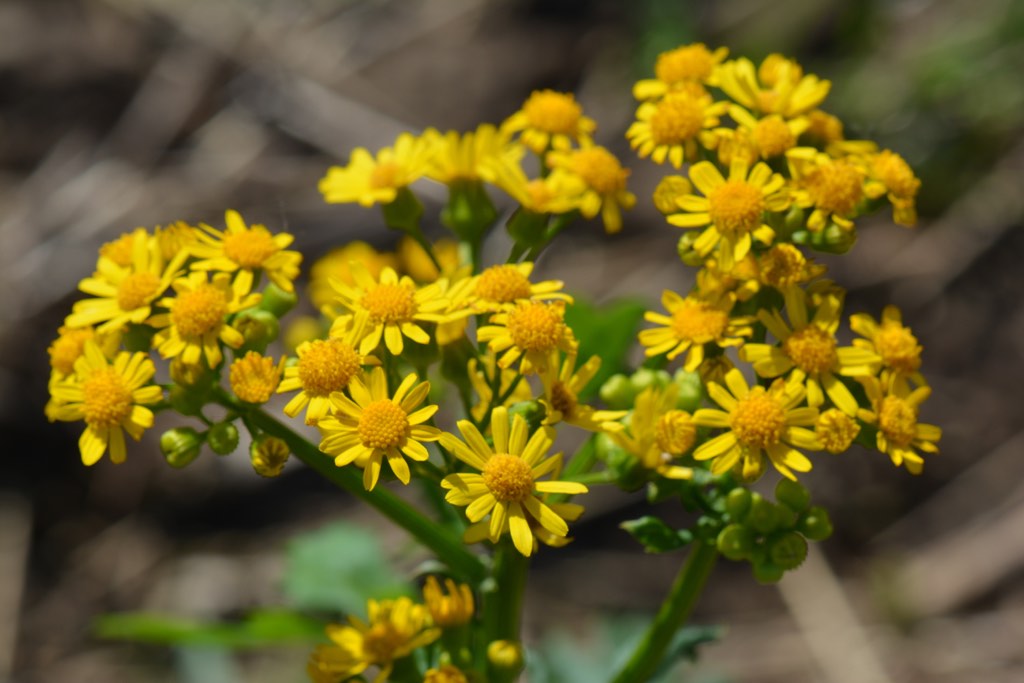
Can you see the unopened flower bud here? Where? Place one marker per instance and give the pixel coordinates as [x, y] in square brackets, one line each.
[505, 654]
[687, 254]
[223, 438]
[736, 542]
[277, 301]
[268, 455]
[180, 446]
[618, 392]
[788, 550]
[669, 190]
[259, 328]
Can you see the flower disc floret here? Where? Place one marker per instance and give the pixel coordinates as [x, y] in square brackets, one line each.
[383, 424]
[836, 430]
[836, 187]
[600, 169]
[898, 421]
[676, 119]
[736, 207]
[699, 321]
[254, 377]
[812, 349]
[773, 136]
[137, 290]
[675, 432]
[327, 365]
[783, 266]
[758, 419]
[687, 63]
[390, 303]
[553, 112]
[67, 348]
[898, 347]
[508, 477]
[250, 248]
[537, 326]
[503, 284]
[199, 311]
[107, 400]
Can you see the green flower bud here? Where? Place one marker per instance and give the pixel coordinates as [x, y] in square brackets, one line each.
[735, 542]
[786, 517]
[268, 455]
[788, 550]
[469, 211]
[815, 524]
[685, 249]
[763, 515]
[767, 572]
[531, 411]
[180, 446]
[527, 228]
[646, 377]
[691, 390]
[795, 220]
[708, 528]
[836, 240]
[792, 495]
[277, 301]
[138, 338]
[737, 504]
[186, 400]
[618, 392]
[223, 438]
[404, 212]
[259, 328]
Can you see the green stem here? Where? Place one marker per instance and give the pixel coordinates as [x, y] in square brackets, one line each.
[503, 601]
[447, 546]
[671, 616]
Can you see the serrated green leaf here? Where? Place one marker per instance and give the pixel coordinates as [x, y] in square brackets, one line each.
[655, 535]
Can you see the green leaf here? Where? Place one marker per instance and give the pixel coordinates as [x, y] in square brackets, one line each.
[259, 629]
[608, 332]
[684, 646]
[655, 535]
[337, 568]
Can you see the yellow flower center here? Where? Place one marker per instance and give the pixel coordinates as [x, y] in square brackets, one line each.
[384, 175]
[776, 70]
[699, 321]
[382, 642]
[675, 432]
[250, 248]
[736, 207]
[758, 419]
[687, 63]
[536, 326]
[107, 400]
[772, 136]
[836, 187]
[563, 400]
[812, 349]
[390, 303]
[120, 250]
[539, 195]
[383, 424]
[503, 284]
[898, 421]
[836, 430]
[783, 266]
[200, 311]
[553, 112]
[898, 347]
[254, 378]
[326, 366]
[824, 127]
[136, 290]
[600, 170]
[676, 119]
[509, 478]
[896, 174]
[67, 348]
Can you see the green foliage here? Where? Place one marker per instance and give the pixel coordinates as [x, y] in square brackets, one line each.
[259, 629]
[655, 535]
[607, 331]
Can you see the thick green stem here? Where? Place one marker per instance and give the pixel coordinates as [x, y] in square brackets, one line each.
[503, 602]
[672, 615]
[448, 547]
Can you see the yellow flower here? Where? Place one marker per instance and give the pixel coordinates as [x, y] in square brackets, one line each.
[836, 430]
[393, 306]
[119, 251]
[785, 268]
[668, 128]
[394, 629]
[561, 397]
[268, 455]
[472, 156]
[446, 674]
[759, 421]
[414, 261]
[196, 320]
[501, 287]
[742, 280]
[507, 487]
[533, 330]
[605, 180]
[174, 238]
[336, 264]
[125, 294]
[370, 425]
[449, 609]
[892, 341]
[324, 367]
[770, 135]
[656, 434]
[679, 68]
[254, 378]
[690, 324]
[550, 120]
[834, 187]
[733, 210]
[246, 250]
[824, 128]
[110, 398]
[779, 86]
[369, 180]
[894, 412]
[893, 175]
[481, 378]
[557, 192]
[808, 353]
[668, 191]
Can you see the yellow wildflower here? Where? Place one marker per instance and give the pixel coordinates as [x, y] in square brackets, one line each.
[785, 268]
[370, 426]
[175, 238]
[654, 443]
[894, 411]
[892, 341]
[449, 609]
[414, 261]
[245, 250]
[668, 129]
[550, 120]
[892, 174]
[836, 430]
[561, 397]
[770, 135]
[474, 156]
[681, 68]
[482, 379]
[254, 378]
[779, 86]
[371, 180]
[692, 323]
[336, 264]
[605, 179]
[557, 192]
[759, 421]
[533, 330]
[501, 287]
[668, 191]
[835, 188]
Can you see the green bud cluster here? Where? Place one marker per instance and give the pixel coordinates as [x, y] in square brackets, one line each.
[620, 391]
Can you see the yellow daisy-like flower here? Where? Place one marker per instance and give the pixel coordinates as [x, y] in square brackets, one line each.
[68, 348]
[680, 68]
[195, 323]
[742, 280]
[371, 180]
[733, 210]
[336, 264]
[482, 378]
[119, 251]
[255, 377]
[125, 294]
[894, 411]
[668, 129]
[690, 324]
[823, 128]
[532, 330]
[605, 179]
[785, 268]
[557, 192]
[550, 120]
[370, 426]
[561, 397]
[770, 135]
[394, 628]
[449, 609]
[508, 485]
[656, 435]
[779, 86]
[472, 156]
[175, 238]
[759, 421]
[891, 340]
[501, 287]
[244, 250]
[808, 354]
[324, 367]
[892, 175]
[834, 188]
[393, 308]
[110, 398]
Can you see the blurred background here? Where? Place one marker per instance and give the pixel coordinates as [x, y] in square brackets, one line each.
[123, 113]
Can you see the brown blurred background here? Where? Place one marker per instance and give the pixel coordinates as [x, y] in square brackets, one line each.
[121, 113]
